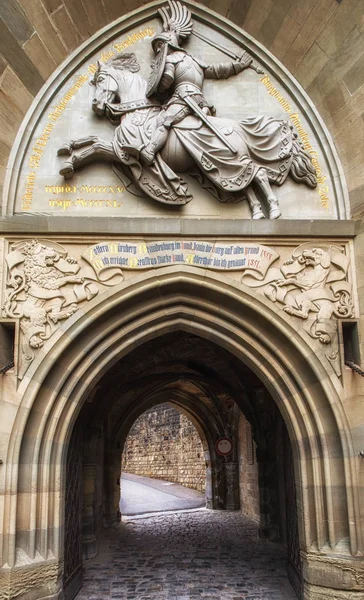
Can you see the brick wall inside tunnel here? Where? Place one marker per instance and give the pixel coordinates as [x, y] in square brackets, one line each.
[164, 444]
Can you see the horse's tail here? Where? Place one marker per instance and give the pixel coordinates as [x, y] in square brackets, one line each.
[302, 169]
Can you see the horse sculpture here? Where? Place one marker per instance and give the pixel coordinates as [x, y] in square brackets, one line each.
[267, 150]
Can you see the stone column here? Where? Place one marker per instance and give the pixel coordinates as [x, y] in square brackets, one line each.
[232, 501]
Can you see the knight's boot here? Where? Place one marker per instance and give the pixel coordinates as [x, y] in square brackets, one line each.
[147, 155]
[158, 140]
[144, 153]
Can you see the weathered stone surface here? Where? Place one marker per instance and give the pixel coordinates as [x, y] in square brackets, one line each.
[248, 471]
[39, 55]
[66, 28]
[16, 21]
[19, 61]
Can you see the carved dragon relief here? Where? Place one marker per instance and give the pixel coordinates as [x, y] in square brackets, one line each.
[313, 286]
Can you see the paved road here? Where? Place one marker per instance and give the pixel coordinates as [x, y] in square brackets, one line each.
[140, 495]
[191, 555]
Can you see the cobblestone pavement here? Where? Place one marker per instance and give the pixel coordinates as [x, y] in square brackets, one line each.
[191, 555]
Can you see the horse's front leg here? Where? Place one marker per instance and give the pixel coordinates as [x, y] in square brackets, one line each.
[255, 206]
[98, 151]
[262, 181]
[67, 149]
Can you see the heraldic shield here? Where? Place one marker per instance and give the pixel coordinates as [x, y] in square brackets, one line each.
[156, 71]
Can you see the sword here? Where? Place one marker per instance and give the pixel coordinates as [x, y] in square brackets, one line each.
[225, 51]
[192, 104]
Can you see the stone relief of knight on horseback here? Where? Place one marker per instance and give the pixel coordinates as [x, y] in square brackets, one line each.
[166, 127]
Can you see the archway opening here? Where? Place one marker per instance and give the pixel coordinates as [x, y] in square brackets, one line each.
[164, 463]
[120, 346]
[224, 400]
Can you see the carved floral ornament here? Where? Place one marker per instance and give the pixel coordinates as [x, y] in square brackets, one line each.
[46, 286]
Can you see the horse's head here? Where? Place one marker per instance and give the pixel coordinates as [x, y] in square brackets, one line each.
[108, 80]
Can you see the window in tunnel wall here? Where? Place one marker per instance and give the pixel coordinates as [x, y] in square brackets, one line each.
[164, 444]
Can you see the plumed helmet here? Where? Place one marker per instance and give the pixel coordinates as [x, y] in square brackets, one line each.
[177, 25]
[167, 37]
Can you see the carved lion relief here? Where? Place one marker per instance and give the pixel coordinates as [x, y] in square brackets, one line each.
[313, 286]
[44, 287]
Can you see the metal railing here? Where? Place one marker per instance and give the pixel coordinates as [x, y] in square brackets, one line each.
[354, 367]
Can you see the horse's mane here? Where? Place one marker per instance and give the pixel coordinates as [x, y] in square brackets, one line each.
[122, 62]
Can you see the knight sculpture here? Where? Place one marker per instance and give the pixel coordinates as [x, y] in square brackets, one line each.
[166, 126]
[176, 72]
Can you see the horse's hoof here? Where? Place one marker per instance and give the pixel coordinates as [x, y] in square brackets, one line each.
[275, 213]
[67, 170]
[65, 150]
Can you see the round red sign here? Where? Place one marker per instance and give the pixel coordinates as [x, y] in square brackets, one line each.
[224, 446]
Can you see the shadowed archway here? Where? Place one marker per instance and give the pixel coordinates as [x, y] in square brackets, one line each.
[228, 315]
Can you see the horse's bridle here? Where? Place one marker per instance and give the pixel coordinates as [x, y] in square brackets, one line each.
[117, 110]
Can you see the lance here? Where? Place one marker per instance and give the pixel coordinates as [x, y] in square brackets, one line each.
[225, 51]
[192, 104]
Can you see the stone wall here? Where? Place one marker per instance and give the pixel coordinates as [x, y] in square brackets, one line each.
[164, 444]
[248, 471]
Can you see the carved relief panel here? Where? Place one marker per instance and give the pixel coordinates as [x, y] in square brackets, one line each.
[175, 110]
[48, 282]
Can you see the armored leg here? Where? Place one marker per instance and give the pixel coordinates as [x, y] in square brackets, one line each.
[173, 114]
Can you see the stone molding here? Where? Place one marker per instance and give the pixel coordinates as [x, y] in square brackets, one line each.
[315, 592]
[38, 581]
[44, 224]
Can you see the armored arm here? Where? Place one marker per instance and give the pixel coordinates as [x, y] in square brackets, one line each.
[225, 70]
[167, 78]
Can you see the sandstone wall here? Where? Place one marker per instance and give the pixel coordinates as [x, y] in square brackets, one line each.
[164, 444]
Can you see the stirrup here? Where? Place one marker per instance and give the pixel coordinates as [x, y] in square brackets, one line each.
[146, 157]
[141, 154]
[132, 150]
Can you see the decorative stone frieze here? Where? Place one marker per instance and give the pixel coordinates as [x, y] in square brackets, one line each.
[46, 286]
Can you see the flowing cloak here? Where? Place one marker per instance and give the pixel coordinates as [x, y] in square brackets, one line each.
[260, 142]
[158, 180]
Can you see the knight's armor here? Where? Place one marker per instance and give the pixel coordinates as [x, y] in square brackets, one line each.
[185, 75]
